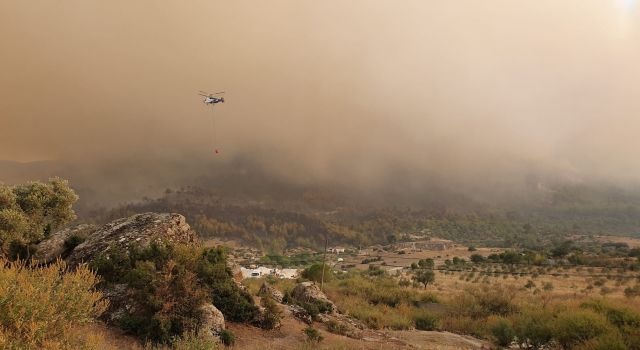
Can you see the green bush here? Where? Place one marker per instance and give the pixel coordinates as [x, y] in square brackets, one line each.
[227, 337]
[426, 322]
[611, 341]
[272, 313]
[72, 242]
[502, 331]
[314, 273]
[337, 327]
[313, 335]
[29, 212]
[171, 283]
[534, 327]
[579, 326]
[626, 321]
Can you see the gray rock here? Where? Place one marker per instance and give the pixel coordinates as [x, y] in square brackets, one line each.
[212, 319]
[236, 272]
[53, 247]
[140, 229]
[267, 290]
[300, 313]
[310, 293]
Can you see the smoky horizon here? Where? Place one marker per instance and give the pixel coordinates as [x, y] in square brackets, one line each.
[463, 93]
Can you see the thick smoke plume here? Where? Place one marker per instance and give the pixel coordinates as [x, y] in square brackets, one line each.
[478, 95]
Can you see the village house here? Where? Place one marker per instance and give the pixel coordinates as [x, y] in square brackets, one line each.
[262, 271]
[336, 250]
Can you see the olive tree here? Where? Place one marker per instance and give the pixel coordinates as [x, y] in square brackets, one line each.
[31, 211]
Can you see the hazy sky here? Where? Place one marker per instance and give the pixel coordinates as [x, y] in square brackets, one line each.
[452, 88]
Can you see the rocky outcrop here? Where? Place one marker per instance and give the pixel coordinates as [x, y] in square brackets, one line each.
[212, 319]
[308, 292]
[300, 313]
[140, 230]
[236, 272]
[267, 290]
[54, 247]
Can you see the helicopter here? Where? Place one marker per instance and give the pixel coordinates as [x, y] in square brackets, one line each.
[211, 99]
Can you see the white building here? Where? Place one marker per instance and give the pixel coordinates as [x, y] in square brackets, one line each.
[262, 271]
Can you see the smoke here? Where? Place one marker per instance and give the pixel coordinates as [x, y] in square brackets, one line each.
[474, 95]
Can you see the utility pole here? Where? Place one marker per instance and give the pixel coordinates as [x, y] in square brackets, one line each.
[324, 261]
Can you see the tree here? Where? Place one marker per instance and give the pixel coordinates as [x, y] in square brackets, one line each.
[314, 273]
[425, 277]
[31, 211]
[426, 263]
[562, 250]
[476, 258]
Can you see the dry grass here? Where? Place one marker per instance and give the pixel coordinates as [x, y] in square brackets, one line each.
[43, 307]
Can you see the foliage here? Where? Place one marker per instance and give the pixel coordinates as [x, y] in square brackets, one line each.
[502, 331]
[193, 341]
[40, 307]
[425, 277]
[313, 335]
[272, 313]
[632, 292]
[31, 211]
[170, 284]
[483, 301]
[426, 322]
[579, 326]
[236, 304]
[227, 337]
[72, 242]
[426, 263]
[314, 273]
[533, 327]
[336, 327]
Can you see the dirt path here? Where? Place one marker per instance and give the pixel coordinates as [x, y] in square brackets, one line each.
[291, 337]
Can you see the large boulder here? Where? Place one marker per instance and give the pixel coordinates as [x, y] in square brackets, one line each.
[140, 230]
[212, 319]
[57, 245]
[308, 292]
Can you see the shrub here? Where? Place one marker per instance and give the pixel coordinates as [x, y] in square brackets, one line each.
[192, 341]
[314, 273]
[579, 326]
[227, 337]
[483, 301]
[31, 211]
[42, 306]
[632, 292]
[626, 321]
[502, 331]
[533, 327]
[605, 342]
[313, 335]
[426, 322]
[272, 313]
[170, 283]
[337, 328]
[72, 242]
